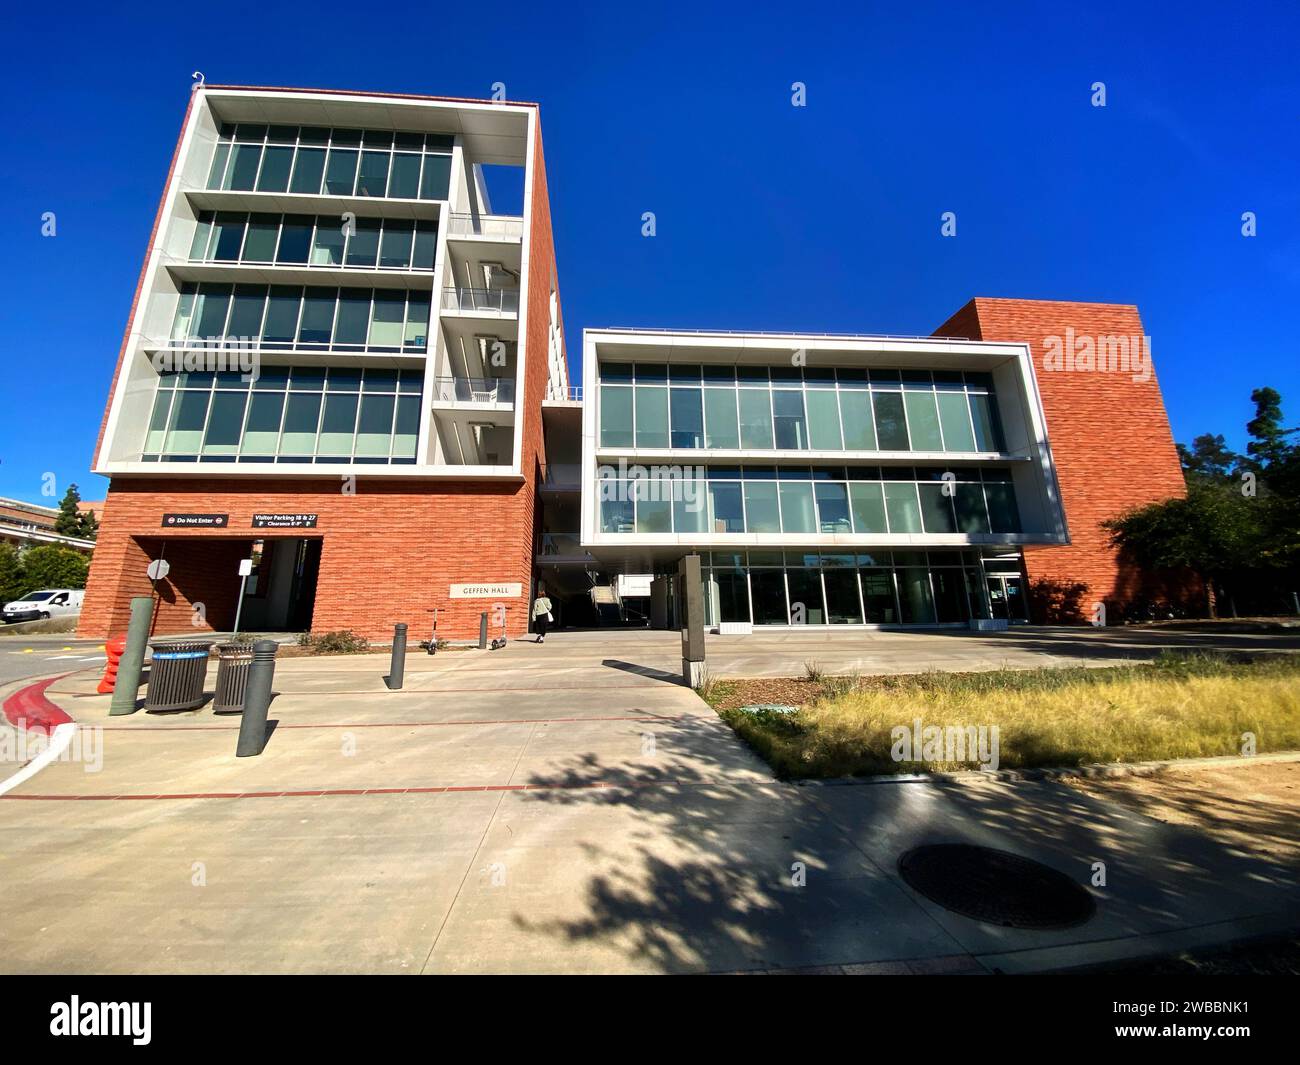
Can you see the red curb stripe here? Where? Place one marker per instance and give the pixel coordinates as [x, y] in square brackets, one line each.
[30, 710]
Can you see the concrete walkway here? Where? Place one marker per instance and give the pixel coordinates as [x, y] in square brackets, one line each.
[563, 808]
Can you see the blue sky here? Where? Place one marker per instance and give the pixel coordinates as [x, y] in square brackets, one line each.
[823, 218]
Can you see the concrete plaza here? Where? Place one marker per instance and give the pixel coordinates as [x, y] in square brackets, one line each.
[568, 808]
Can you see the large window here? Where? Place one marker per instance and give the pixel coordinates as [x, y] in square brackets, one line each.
[722, 408]
[814, 500]
[251, 157]
[845, 588]
[314, 240]
[294, 317]
[288, 414]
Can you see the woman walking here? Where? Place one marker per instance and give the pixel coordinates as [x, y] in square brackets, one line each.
[541, 613]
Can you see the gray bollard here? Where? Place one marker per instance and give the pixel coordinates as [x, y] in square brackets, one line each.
[257, 698]
[127, 686]
[482, 631]
[690, 597]
[398, 665]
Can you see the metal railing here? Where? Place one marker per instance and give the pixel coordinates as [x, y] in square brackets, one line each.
[496, 301]
[485, 225]
[564, 545]
[563, 474]
[572, 392]
[473, 390]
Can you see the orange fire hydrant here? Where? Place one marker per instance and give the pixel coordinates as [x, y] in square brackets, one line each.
[113, 651]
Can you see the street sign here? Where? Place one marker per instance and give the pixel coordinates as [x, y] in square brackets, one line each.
[284, 521]
[245, 567]
[158, 569]
[195, 521]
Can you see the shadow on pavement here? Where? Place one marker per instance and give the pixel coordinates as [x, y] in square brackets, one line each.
[708, 881]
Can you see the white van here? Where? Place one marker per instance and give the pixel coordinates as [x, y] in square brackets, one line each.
[48, 603]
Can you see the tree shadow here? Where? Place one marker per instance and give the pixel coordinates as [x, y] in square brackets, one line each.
[694, 867]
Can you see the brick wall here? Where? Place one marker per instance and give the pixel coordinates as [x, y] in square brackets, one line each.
[1109, 436]
[388, 552]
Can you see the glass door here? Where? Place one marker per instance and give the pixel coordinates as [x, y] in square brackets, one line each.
[1007, 598]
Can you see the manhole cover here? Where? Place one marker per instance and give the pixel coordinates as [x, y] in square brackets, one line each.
[995, 887]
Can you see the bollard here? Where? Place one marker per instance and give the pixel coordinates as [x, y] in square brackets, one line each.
[112, 654]
[127, 685]
[690, 598]
[257, 698]
[398, 665]
[482, 631]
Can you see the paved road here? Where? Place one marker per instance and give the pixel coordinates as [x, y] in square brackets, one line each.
[34, 656]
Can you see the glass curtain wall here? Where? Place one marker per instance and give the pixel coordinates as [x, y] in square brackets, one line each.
[288, 414]
[812, 500]
[651, 405]
[313, 160]
[324, 241]
[303, 318]
[846, 588]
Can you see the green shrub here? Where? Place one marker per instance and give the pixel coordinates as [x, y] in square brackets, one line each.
[11, 574]
[340, 642]
[50, 567]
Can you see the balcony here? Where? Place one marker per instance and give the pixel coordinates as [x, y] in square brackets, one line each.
[485, 227]
[554, 546]
[482, 302]
[563, 477]
[478, 390]
[183, 268]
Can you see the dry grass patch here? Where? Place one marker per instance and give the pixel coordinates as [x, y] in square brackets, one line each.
[1180, 707]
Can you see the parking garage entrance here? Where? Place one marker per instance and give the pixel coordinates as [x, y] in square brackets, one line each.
[201, 588]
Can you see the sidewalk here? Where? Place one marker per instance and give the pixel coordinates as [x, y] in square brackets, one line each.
[562, 808]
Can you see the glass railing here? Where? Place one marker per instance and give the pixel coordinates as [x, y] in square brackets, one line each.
[473, 390]
[563, 475]
[566, 545]
[496, 301]
[485, 225]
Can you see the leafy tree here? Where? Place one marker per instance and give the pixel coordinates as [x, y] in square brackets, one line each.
[68, 523]
[53, 567]
[88, 526]
[1268, 447]
[11, 574]
[1214, 532]
[1209, 456]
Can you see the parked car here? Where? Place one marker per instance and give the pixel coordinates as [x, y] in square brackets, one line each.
[47, 603]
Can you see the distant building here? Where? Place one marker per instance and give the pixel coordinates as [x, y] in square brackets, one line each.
[31, 525]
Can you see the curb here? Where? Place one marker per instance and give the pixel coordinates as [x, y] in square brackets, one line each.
[1016, 776]
[29, 709]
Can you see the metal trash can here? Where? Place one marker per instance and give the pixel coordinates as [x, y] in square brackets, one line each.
[177, 674]
[233, 660]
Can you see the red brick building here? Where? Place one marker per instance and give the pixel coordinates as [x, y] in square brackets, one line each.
[1110, 437]
[336, 363]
